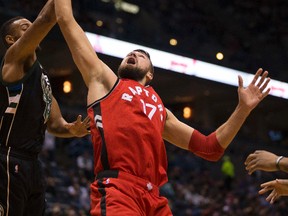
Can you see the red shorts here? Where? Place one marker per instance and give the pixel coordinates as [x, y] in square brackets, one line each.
[125, 194]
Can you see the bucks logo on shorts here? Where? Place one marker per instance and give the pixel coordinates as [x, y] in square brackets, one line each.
[47, 96]
[1, 210]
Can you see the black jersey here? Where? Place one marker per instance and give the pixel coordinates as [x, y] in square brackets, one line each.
[24, 110]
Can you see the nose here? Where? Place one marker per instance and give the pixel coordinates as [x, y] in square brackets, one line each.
[133, 54]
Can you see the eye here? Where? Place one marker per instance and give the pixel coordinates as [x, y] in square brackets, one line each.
[24, 27]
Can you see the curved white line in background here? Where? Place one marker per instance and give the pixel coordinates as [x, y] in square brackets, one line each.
[181, 64]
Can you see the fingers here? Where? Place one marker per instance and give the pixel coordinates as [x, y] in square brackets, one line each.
[263, 82]
[86, 120]
[263, 87]
[266, 92]
[272, 197]
[275, 187]
[249, 158]
[79, 118]
[258, 73]
[250, 163]
[240, 81]
[253, 156]
[255, 161]
[262, 191]
[262, 79]
[268, 185]
[251, 167]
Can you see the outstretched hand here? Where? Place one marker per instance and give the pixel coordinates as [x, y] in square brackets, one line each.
[79, 128]
[255, 92]
[261, 160]
[278, 188]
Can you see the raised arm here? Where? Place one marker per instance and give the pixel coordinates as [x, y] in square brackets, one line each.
[23, 39]
[211, 147]
[249, 98]
[186, 137]
[26, 45]
[98, 77]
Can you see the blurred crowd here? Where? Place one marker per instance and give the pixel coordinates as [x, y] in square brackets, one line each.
[195, 188]
[249, 33]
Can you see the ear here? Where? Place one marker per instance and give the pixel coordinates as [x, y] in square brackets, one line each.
[9, 40]
[149, 75]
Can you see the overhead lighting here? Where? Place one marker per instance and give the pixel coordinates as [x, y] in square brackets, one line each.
[99, 23]
[126, 7]
[219, 56]
[187, 112]
[173, 42]
[67, 87]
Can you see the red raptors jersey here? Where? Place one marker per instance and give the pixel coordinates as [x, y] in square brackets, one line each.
[126, 129]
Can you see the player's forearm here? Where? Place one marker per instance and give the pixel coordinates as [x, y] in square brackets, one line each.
[283, 164]
[27, 44]
[226, 132]
[63, 11]
[47, 14]
[58, 129]
[82, 52]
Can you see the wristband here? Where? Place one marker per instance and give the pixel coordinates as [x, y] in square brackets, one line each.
[278, 161]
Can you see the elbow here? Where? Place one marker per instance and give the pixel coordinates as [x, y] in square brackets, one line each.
[63, 16]
[206, 147]
[51, 127]
[212, 157]
[63, 21]
[60, 18]
[216, 157]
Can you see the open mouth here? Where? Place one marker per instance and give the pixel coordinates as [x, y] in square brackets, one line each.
[131, 60]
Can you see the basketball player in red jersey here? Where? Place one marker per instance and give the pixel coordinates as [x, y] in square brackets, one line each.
[129, 123]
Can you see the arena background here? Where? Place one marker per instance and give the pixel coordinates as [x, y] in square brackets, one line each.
[250, 34]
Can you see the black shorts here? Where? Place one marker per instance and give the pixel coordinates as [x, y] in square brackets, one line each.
[22, 187]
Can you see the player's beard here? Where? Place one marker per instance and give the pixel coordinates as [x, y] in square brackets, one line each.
[131, 72]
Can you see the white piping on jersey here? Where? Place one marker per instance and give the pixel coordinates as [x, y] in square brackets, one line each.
[8, 135]
[98, 120]
[14, 99]
[8, 182]
[110, 92]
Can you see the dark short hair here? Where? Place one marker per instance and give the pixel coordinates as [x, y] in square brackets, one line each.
[6, 29]
[148, 55]
[144, 52]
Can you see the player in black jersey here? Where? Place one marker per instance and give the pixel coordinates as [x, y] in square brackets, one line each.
[27, 108]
